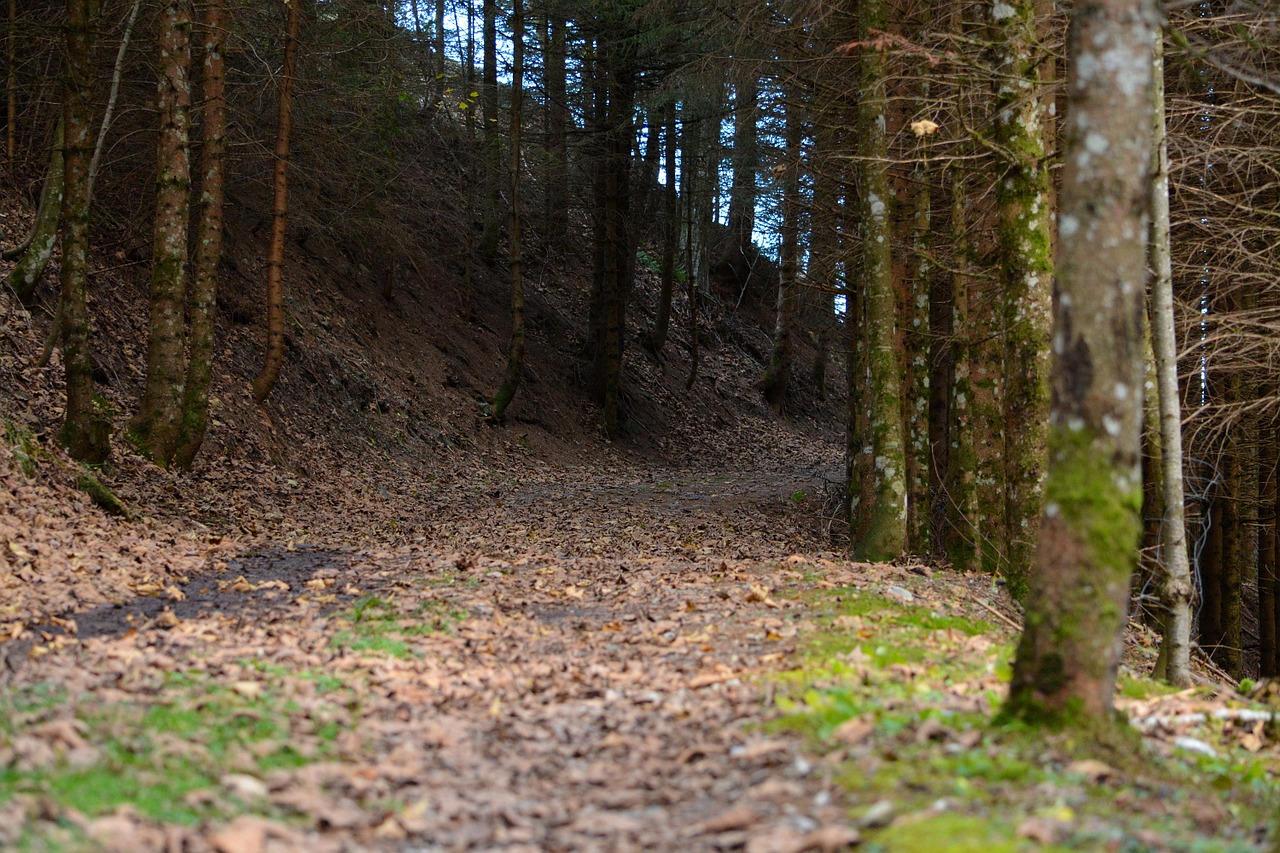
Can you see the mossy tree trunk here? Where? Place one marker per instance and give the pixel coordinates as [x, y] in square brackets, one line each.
[274, 358]
[962, 542]
[777, 375]
[155, 428]
[208, 249]
[1025, 268]
[881, 515]
[86, 429]
[515, 353]
[916, 363]
[1066, 663]
[27, 272]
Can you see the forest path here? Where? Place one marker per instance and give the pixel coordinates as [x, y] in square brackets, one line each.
[582, 660]
[578, 662]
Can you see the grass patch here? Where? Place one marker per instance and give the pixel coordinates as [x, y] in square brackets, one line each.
[377, 626]
[155, 755]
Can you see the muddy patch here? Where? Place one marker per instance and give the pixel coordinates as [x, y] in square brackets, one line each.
[251, 587]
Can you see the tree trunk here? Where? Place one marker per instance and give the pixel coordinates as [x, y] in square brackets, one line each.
[557, 209]
[86, 428]
[1267, 585]
[963, 544]
[116, 76]
[1175, 584]
[670, 232]
[473, 179]
[1025, 266]
[515, 354]
[916, 362]
[777, 375]
[488, 249]
[155, 429]
[11, 89]
[1066, 663]
[883, 515]
[266, 379]
[25, 276]
[742, 194]
[208, 252]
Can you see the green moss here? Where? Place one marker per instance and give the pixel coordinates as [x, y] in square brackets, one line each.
[1087, 491]
[152, 756]
[952, 833]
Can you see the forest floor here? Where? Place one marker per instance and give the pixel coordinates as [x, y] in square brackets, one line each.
[630, 659]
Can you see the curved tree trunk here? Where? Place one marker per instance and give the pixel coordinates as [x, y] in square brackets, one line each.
[270, 373]
[155, 429]
[204, 279]
[1066, 663]
[86, 428]
[515, 354]
[37, 249]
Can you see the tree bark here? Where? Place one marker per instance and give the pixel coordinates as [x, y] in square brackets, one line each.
[963, 542]
[515, 354]
[1175, 586]
[742, 194]
[270, 373]
[1025, 265]
[882, 515]
[488, 248]
[25, 276]
[1066, 663]
[670, 232]
[208, 252]
[114, 96]
[11, 89]
[86, 428]
[155, 428]
[557, 127]
[777, 376]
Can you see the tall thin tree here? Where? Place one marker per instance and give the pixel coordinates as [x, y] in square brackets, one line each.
[208, 251]
[515, 354]
[266, 379]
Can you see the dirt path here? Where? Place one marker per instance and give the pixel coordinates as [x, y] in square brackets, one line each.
[580, 664]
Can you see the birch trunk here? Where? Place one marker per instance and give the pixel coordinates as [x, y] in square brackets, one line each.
[1175, 588]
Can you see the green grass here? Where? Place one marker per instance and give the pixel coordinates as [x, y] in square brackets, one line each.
[376, 626]
[153, 755]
